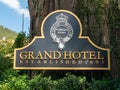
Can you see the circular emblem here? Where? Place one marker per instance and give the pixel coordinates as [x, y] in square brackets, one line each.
[61, 31]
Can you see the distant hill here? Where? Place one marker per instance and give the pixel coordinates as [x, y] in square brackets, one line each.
[7, 34]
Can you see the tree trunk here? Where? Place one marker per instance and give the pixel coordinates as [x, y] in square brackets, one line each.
[40, 8]
[114, 26]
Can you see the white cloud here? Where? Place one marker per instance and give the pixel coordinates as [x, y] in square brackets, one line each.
[15, 4]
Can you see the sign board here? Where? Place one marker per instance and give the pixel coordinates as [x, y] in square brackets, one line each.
[61, 46]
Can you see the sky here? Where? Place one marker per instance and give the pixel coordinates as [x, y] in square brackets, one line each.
[11, 13]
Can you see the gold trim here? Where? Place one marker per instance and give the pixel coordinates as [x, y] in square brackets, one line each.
[62, 68]
[42, 34]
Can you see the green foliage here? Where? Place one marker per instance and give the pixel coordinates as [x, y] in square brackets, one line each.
[9, 78]
[41, 83]
[6, 48]
[104, 84]
[98, 85]
[15, 83]
[5, 63]
[114, 84]
[19, 41]
[9, 73]
[6, 53]
[71, 82]
[5, 32]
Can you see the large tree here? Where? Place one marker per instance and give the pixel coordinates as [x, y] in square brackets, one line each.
[95, 16]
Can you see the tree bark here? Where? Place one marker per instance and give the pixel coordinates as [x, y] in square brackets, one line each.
[114, 26]
[40, 8]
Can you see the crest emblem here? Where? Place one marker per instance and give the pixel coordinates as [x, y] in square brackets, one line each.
[61, 31]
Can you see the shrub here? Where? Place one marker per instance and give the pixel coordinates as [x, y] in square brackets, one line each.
[5, 64]
[15, 83]
[98, 85]
[71, 82]
[41, 83]
[114, 84]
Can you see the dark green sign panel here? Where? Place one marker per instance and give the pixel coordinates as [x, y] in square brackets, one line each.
[62, 46]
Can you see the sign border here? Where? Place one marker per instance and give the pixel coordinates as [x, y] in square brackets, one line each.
[62, 68]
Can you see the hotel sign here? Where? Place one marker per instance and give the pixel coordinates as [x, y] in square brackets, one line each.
[61, 46]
